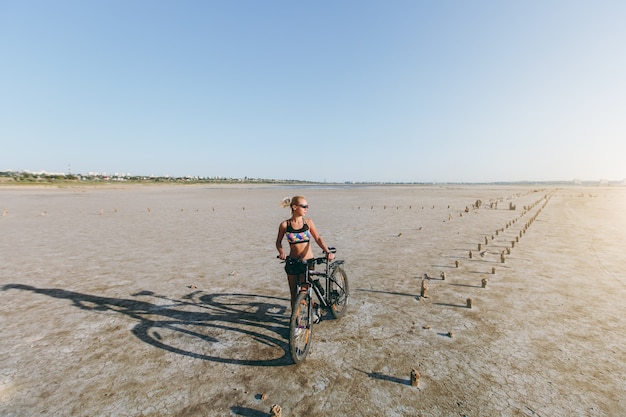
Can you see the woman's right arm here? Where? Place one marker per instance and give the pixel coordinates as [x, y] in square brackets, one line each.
[279, 240]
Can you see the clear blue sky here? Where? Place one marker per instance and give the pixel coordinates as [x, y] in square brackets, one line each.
[317, 90]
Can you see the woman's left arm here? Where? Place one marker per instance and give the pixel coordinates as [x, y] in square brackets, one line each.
[318, 239]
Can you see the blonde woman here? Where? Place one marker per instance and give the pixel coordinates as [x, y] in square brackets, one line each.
[299, 232]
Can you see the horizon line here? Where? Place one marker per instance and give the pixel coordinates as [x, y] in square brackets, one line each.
[117, 177]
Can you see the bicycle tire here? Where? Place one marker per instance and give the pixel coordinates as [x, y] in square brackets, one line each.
[300, 328]
[338, 294]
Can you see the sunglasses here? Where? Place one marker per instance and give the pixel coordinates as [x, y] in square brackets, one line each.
[304, 206]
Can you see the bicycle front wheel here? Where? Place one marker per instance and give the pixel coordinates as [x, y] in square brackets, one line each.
[301, 328]
[338, 295]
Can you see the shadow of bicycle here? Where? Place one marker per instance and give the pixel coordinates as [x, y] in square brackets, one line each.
[242, 329]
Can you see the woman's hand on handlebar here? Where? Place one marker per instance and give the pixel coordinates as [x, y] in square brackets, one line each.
[282, 256]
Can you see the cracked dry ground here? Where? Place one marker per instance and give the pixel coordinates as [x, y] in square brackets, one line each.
[169, 301]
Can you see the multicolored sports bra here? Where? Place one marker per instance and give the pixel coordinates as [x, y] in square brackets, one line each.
[298, 236]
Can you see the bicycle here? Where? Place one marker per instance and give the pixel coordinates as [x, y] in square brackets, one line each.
[332, 297]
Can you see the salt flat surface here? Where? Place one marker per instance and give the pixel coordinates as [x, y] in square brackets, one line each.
[169, 301]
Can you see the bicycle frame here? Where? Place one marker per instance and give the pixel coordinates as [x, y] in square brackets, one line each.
[308, 283]
[333, 298]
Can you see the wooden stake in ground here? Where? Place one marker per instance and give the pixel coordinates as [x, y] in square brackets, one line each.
[276, 411]
[484, 283]
[415, 378]
[469, 303]
[424, 289]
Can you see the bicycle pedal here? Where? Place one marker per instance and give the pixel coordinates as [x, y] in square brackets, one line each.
[317, 315]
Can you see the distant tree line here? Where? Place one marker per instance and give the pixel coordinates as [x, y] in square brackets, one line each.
[27, 177]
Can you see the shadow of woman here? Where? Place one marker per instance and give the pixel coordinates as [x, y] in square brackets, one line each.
[242, 329]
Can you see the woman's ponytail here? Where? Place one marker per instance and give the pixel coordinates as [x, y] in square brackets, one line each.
[286, 202]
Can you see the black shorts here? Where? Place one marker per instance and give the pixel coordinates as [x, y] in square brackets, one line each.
[295, 266]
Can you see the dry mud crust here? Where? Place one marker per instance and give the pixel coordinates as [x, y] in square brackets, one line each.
[169, 301]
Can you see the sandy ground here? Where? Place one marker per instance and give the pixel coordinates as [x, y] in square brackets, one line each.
[169, 301]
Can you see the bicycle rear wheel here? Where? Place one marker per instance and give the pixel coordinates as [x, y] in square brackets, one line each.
[338, 295]
[300, 328]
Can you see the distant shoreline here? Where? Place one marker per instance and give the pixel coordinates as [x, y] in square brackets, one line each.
[43, 178]
[295, 185]
[26, 178]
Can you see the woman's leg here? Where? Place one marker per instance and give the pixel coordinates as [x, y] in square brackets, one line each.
[293, 287]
